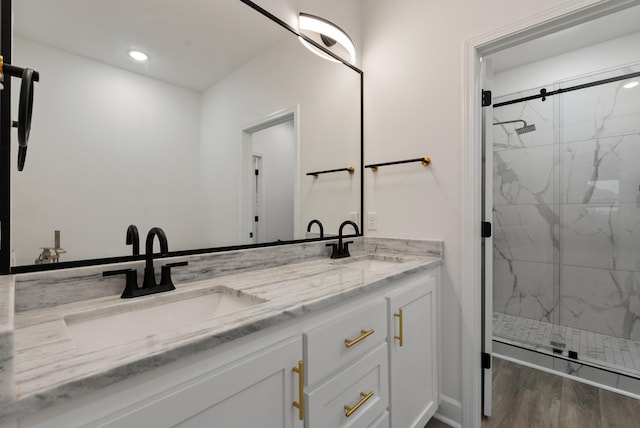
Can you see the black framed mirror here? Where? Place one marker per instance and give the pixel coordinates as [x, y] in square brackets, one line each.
[175, 141]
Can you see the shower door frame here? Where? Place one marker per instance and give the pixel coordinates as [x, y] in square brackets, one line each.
[487, 240]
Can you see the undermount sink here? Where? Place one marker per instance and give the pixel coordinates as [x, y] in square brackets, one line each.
[135, 320]
[370, 262]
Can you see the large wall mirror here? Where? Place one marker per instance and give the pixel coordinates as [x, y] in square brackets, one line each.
[175, 141]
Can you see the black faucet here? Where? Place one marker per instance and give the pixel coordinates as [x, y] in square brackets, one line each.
[149, 286]
[341, 249]
[133, 239]
[312, 222]
[149, 274]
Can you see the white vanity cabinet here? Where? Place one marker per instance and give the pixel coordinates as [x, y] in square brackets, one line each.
[253, 392]
[413, 351]
[254, 389]
[352, 364]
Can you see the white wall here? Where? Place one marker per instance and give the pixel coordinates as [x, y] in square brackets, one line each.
[413, 65]
[600, 57]
[288, 77]
[276, 147]
[118, 129]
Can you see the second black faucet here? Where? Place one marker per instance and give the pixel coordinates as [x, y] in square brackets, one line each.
[341, 249]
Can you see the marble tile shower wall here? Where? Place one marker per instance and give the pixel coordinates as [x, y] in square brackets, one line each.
[567, 210]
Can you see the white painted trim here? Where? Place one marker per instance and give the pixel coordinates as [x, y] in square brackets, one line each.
[566, 15]
[568, 376]
[449, 411]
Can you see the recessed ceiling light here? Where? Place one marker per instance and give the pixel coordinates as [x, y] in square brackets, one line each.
[631, 84]
[138, 55]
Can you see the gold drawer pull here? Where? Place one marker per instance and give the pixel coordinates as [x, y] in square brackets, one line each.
[399, 337]
[363, 400]
[364, 335]
[300, 403]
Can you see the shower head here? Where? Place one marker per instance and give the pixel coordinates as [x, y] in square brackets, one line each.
[523, 130]
[526, 128]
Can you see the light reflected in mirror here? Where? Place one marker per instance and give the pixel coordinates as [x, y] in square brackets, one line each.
[175, 141]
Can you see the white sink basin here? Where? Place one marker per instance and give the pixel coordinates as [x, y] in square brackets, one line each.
[150, 315]
[370, 262]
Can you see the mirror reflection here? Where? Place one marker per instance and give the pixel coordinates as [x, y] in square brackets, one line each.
[210, 138]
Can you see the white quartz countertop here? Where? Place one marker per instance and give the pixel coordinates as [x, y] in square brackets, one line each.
[50, 367]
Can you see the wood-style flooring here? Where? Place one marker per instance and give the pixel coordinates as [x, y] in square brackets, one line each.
[525, 397]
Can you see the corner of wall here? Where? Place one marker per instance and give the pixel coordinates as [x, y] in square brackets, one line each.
[449, 412]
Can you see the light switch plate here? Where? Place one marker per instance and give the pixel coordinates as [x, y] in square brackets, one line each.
[353, 216]
[372, 221]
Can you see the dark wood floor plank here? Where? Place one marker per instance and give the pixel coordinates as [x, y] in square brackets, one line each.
[508, 394]
[524, 397]
[434, 423]
[580, 405]
[543, 408]
[618, 411]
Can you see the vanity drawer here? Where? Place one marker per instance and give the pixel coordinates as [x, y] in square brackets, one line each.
[362, 386]
[326, 349]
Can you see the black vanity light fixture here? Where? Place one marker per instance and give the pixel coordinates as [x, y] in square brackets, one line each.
[326, 34]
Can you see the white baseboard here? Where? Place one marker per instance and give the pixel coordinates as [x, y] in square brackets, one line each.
[449, 412]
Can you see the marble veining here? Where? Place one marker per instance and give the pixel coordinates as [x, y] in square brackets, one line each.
[566, 213]
[52, 288]
[412, 247]
[6, 338]
[48, 367]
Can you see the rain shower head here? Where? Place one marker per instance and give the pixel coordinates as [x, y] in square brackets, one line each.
[523, 130]
[526, 128]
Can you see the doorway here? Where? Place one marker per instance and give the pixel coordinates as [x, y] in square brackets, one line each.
[270, 151]
[479, 50]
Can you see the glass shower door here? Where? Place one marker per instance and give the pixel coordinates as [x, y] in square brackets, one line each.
[525, 222]
[598, 135]
[566, 216]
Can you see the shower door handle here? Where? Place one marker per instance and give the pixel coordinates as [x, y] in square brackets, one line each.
[486, 229]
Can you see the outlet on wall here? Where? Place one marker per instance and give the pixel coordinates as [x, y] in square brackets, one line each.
[372, 221]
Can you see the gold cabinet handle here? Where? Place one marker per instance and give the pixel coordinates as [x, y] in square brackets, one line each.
[300, 403]
[364, 335]
[363, 400]
[399, 337]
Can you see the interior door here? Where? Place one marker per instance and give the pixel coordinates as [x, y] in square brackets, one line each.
[256, 199]
[487, 240]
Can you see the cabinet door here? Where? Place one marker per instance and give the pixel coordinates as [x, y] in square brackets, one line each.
[413, 364]
[257, 391]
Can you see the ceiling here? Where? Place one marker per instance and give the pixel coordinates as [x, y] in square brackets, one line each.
[580, 36]
[195, 43]
[190, 43]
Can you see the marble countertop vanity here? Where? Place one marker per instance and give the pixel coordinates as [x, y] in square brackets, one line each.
[50, 362]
